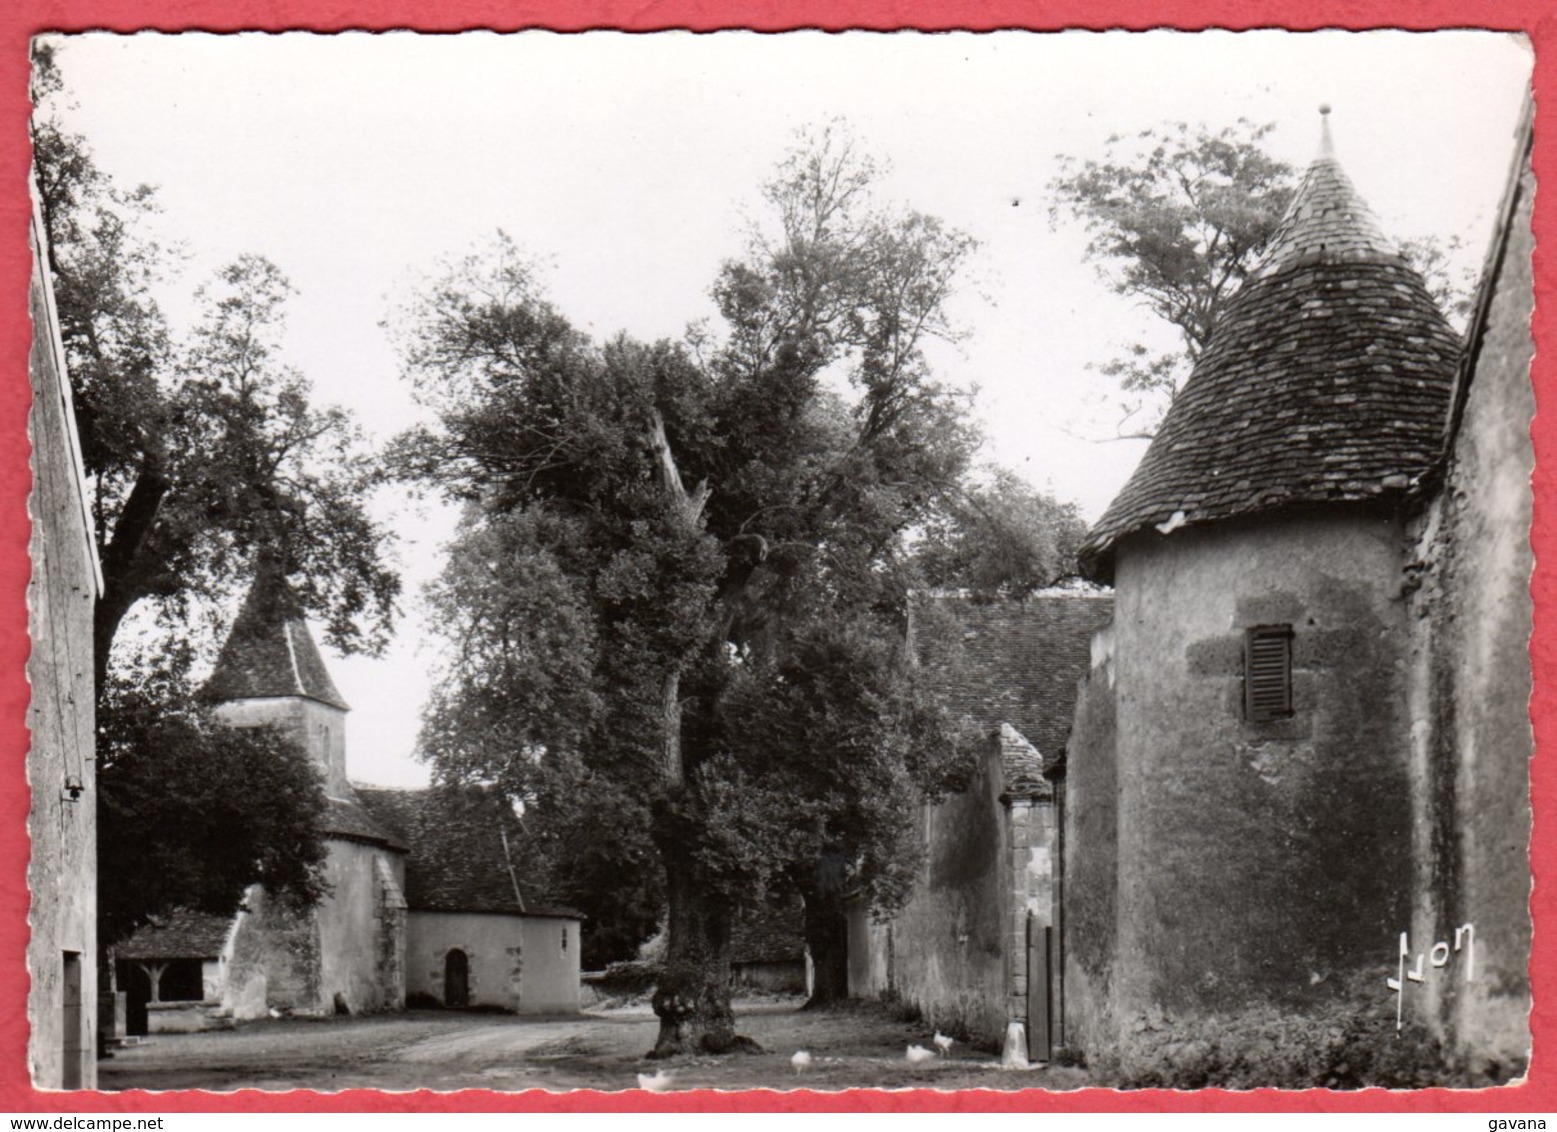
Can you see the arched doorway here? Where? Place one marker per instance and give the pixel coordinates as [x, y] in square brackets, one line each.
[456, 979]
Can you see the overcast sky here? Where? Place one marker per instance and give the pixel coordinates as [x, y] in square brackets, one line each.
[625, 163]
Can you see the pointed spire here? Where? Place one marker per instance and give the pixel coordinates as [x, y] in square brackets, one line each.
[270, 653]
[1327, 222]
[1326, 143]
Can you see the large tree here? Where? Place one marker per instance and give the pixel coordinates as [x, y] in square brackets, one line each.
[708, 524]
[192, 812]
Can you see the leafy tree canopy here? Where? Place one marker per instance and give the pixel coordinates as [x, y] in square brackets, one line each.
[1177, 215]
[191, 812]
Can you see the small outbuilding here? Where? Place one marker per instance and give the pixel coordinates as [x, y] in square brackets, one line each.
[474, 937]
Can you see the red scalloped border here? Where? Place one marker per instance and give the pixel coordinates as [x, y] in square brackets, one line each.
[18, 21]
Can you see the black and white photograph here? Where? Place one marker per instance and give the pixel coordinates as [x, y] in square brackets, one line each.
[684, 561]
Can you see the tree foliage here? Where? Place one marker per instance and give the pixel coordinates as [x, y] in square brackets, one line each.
[1000, 537]
[191, 812]
[1177, 216]
[712, 549]
[200, 451]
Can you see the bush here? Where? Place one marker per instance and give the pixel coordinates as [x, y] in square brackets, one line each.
[1349, 1043]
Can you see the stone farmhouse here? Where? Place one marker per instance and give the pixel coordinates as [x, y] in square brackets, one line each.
[424, 901]
[61, 716]
[1292, 790]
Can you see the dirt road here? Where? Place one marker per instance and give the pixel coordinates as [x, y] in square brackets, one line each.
[849, 1048]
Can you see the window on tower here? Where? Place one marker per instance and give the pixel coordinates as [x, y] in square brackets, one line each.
[1267, 673]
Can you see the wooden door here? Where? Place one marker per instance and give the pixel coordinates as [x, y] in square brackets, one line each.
[456, 979]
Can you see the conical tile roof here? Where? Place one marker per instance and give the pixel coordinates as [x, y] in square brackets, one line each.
[1328, 380]
[270, 651]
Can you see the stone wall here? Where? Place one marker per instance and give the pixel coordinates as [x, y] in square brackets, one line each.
[61, 817]
[947, 952]
[1470, 689]
[1091, 846]
[357, 929]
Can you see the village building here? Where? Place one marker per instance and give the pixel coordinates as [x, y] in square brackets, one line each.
[422, 895]
[61, 717]
[1300, 761]
[975, 948]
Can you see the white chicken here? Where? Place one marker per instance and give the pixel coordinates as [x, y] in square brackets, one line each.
[801, 1061]
[658, 1083]
[944, 1043]
[918, 1054]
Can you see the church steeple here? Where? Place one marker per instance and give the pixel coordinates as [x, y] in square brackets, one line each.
[270, 653]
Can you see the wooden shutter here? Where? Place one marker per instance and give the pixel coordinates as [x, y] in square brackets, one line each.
[1267, 673]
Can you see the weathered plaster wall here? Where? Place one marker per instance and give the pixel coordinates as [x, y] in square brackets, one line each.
[946, 951]
[1259, 862]
[527, 964]
[61, 772]
[271, 960]
[357, 922]
[1091, 843]
[1470, 687]
[319, 728]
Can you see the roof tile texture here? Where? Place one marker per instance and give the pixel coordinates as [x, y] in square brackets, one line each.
[270, 651]
[457, 860]
[1012, 661]
[1328, 380]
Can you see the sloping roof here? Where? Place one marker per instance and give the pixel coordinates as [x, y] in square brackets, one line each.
[1327, 380]
[1011, 661]
[270, 651]
[180, 935]
[457, 859]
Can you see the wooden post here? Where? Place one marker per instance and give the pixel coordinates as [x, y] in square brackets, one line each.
[1039, 1040]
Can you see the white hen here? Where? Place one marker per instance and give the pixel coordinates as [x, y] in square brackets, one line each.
[916, 1054]
[801, 1060]
[655, 1084]
[944, 1043]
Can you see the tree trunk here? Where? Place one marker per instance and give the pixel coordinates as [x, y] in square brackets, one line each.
[827, 939]
[122, 564]
[692, 999]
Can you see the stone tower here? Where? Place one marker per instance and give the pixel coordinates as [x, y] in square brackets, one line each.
[1257, 743]
[270, 672]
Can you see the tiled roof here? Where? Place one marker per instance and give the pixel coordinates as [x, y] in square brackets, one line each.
[1012, 661]
[1327, 380]
[270, 651]
[457, 861]
[180, 935]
